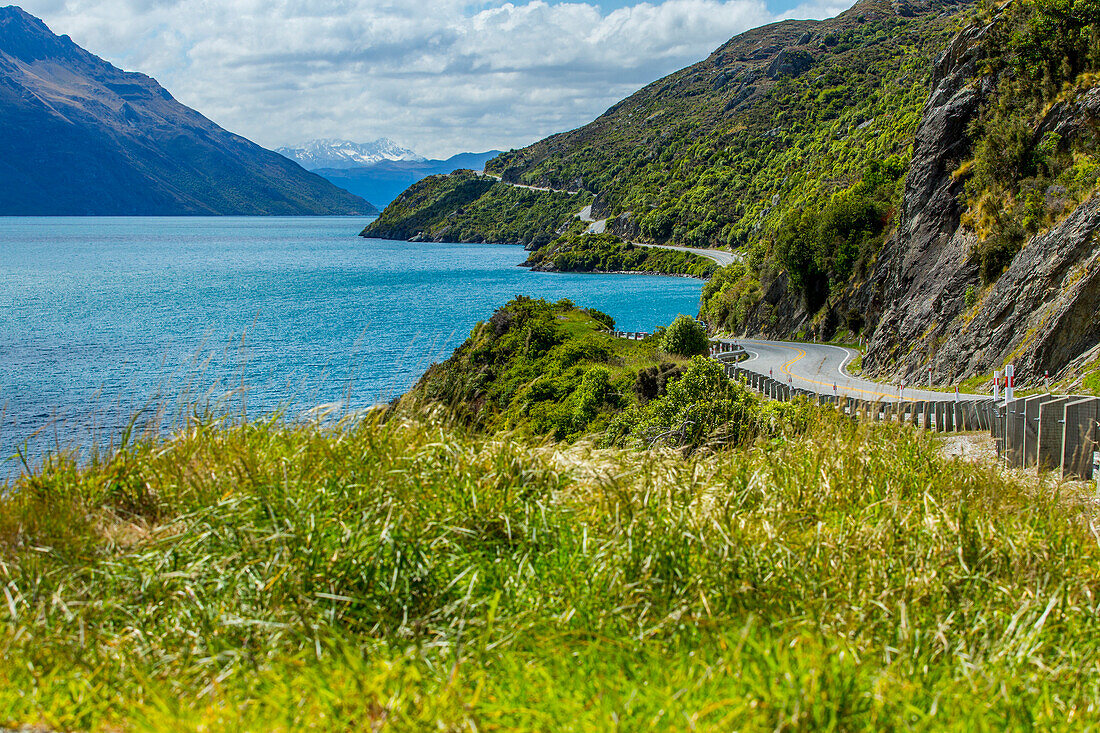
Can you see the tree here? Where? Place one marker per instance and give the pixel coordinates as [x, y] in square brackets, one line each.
[685, 337]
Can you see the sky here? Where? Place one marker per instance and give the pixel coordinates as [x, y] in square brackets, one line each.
[438, 76]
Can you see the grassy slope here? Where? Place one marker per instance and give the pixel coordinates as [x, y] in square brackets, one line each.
[414, 574]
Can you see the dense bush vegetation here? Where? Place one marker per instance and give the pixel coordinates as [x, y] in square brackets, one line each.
[1043, 55]
[465, 207]
[609, 253]
[547, 369]
[704, 407]
[544, 368]
[822, 247]
[728, 297]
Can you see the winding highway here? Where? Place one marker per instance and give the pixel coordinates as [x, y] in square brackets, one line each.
[820, 368]
[599, 226]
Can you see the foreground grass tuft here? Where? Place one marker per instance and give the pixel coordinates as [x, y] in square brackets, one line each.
[407, 573]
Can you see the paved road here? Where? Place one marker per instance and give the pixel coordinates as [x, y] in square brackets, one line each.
[722, 257]
[820, 367]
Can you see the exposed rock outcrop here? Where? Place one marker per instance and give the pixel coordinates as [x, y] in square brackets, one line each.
[1042, 311]
[789, 62]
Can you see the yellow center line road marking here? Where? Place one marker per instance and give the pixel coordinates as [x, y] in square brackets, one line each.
[786, 369]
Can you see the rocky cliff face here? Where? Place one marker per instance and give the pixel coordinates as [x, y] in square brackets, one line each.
[1043, 310]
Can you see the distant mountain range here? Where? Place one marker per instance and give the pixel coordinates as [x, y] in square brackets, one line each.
[382, 182]
[79, 136]
[332, 153]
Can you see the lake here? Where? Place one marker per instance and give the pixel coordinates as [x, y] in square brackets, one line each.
[103, 317]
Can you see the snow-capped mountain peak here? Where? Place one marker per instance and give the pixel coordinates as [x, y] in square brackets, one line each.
[333, 153]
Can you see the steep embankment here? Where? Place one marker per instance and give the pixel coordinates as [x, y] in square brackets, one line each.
[995, 258]
[79, 136]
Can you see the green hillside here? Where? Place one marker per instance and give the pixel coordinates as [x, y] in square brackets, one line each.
[778, 118]
[466, 207]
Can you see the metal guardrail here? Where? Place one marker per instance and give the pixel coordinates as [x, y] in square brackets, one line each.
[1047, 432]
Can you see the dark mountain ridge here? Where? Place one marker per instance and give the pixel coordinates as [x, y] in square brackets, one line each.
[79, 136]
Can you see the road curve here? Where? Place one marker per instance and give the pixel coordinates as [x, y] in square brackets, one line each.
[820, 368]
[722, 257]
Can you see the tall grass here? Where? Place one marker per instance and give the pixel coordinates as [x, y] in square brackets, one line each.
[406, 573]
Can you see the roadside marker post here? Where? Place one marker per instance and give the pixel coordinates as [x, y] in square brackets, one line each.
[997, 386]
[929, 375]
[1010, 382]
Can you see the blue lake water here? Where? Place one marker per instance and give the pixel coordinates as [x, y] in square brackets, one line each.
[102, 317]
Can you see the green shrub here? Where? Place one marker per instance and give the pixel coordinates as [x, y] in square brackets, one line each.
[703, 405]
[685, 337]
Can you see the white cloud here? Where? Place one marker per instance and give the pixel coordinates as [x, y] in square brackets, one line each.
[818, 9]
[431, 74]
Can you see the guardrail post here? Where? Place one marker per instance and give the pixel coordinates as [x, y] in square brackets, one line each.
[1031, 428]
[997, 427]
[984, 410]
[1051, 432]
[1014, 432]
[1079, 437]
